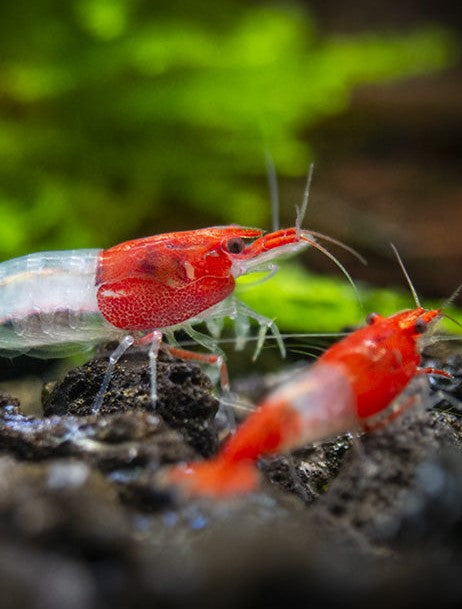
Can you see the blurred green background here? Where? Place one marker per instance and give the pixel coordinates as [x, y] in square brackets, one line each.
[121, 118]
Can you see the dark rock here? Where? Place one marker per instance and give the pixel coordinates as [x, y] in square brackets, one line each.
[307, 472]
[7, 401]
[63, 533]
[372, 490]
[448, 392]
[125, 446]
[344, 523]
[184, 401]
[120, 439]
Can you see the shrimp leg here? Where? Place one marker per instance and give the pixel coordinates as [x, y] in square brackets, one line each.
[156, 341]
[240, 313]
[212, 359]
[113, 359]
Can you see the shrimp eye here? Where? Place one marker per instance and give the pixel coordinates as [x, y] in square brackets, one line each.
[420, 326]
[371, 318]
[235, 245]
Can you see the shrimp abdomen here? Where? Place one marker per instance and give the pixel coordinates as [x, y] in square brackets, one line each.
[48, 304]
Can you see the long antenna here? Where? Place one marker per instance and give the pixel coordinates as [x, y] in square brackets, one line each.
[273, 188]
[306, 236]
[406, 275]
[301, 211]
[451, 298]
[344, 246]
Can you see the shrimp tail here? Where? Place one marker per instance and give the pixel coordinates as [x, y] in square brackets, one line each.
[273, 428]
[218, 478]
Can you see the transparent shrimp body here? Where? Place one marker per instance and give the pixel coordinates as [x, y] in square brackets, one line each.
[48, 304]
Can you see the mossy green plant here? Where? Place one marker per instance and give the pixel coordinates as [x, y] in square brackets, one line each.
[122, 118]
[301, 301]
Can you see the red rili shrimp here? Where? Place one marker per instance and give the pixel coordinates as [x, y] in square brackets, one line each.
[352, 387]
[56, 303]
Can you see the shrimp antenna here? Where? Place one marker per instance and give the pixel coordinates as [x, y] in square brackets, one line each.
[452, 297]
[448, 302]
[273, 188]
[301, 211]
[232, 340]
[453, 319]
[306, 236]
[344, 246]
[406, 275]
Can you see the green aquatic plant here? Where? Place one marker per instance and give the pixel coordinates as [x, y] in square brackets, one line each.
[121, 118]
[301, 301]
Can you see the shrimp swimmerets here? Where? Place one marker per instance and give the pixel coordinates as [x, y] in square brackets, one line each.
[351, 387]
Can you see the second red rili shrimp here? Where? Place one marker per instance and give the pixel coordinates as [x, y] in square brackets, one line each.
[354, 386]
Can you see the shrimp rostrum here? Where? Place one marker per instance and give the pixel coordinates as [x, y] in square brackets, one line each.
[56, 303]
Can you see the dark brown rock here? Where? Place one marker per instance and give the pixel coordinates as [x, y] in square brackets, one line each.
[331, 525]
[185, 400]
